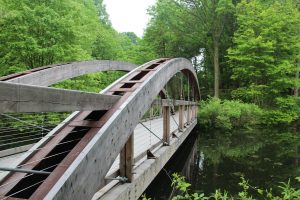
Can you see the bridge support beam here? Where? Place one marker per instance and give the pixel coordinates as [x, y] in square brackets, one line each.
[181, 118]
[126, 159]
[166, 124]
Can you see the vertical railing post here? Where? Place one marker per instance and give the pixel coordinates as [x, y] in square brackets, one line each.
[166, 124]
[126, 159]
[193, 112]
[196, 111]
[151, 113]
[181, 118]
[188, 113]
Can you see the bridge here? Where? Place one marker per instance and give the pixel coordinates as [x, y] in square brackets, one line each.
[110, 146]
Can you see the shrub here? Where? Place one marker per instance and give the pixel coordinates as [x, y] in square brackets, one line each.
[180, 184]
[226, 115]
[287, 111]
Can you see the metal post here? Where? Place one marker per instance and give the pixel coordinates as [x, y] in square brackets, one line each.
[166, 124]
[26, 171]
[126, 159]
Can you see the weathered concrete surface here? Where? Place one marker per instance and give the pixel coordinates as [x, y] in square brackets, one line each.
[60, 72]
[26, 98]
[147, 171]
[10, 162]
[112, 137]
[16, 150]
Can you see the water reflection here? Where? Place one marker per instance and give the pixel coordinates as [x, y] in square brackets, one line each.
[214, 160]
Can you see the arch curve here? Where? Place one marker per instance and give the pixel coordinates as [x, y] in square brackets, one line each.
[129, 110]
[51, 74]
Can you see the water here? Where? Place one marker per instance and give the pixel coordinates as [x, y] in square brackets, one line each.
[214, 160]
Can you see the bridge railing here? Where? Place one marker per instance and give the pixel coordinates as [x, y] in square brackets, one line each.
[187, 113]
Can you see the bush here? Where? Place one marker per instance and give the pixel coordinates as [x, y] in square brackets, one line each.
[287, 111]
[287, 192]
[226, 115]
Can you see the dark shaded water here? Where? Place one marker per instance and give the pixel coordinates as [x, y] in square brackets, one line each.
[216, 160]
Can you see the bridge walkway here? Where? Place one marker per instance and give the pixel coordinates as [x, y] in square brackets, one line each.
[144, 140]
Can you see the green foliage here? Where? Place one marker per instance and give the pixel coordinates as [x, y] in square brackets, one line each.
[265, 51]
[179, 182]
[91, 82]
[106, 46]
[40, 32]
[143, 197]
[277, 117]
[200, 29]
[226, 115]
[37, 33]
[286, 111]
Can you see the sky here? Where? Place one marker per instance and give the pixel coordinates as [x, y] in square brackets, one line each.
[129, 15]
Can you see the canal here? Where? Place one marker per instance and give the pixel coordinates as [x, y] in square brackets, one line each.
[217, 160]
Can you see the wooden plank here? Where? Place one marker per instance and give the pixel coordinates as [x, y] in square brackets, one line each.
[126, 159]
[181, 118]
[166, 124]
[188, 114]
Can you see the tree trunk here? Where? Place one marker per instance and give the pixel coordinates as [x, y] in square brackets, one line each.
[216, 69]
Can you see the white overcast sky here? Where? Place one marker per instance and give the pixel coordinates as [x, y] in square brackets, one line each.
[128, 15]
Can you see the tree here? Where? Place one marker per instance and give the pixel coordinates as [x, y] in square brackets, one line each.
[214, 19]
[170, 32]
[266, 48]
[102, 14]
[188, 28]
[40, 32]
[106, 45]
